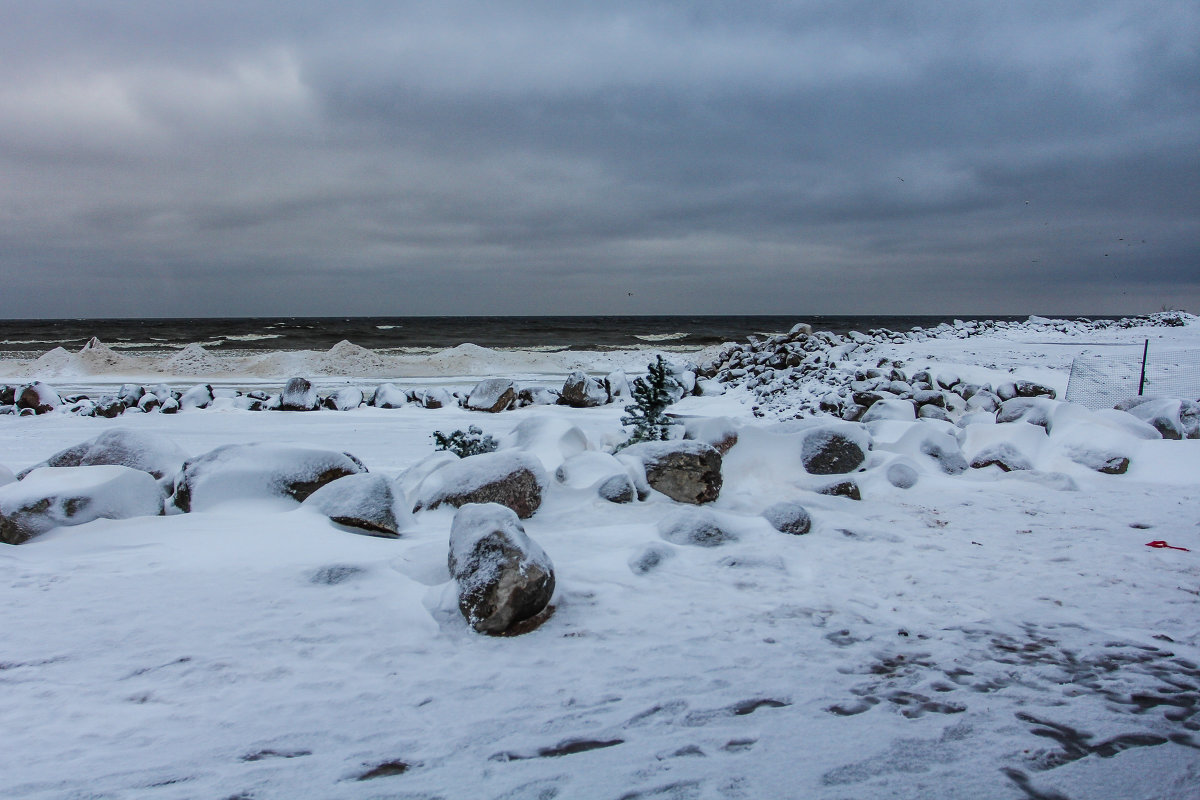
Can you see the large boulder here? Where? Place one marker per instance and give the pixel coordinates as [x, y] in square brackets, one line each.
[258, 471]
[510, 478]
[37, 396]
[299, 395]
[493, 395]
[685, 471]
[346, 398]
[365, 501]
[388, 396]
[834, 449]
[139, 450]
[503, 576]
[55, 496]
[1165, 414]
[582, 391]
[200, 396]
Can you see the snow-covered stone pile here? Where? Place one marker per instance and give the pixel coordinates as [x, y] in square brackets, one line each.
[580, 390]
[802, 373]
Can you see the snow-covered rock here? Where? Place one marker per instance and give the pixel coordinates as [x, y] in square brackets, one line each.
[366, 501]
[582, 391]
[835, 448]
[346, 398]
[695, 526]
[388, 396]
[902, 474]
[6, 475]
[789, 516]
[890, 409]
[200, 396]
[258, 471]
[617, 384]
[928, 443]
[503, 576]
[435, 397]
[40, 397]
[50, 497]
[139, 450]
[551, 439]
[493, 395]
[685, 471]
[299, 395]
[1162, 413]
[720, 432]
[509, 477]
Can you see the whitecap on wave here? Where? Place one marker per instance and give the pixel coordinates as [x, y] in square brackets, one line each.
[660, 337]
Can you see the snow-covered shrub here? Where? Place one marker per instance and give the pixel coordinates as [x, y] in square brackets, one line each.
[471, 443]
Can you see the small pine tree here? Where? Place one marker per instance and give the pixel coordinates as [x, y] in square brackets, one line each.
[651, 397]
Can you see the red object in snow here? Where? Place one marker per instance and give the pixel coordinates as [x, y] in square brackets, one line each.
[1160, 544]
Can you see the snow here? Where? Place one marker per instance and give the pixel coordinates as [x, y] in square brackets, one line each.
[983, 634]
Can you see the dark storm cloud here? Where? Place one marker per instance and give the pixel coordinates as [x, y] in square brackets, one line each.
[376, 158]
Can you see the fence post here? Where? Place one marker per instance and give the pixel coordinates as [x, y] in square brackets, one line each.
[1142, 381]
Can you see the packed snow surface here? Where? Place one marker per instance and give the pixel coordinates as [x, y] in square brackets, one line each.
[983, 634]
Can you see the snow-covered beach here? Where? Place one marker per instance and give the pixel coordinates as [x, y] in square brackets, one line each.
[992, 631]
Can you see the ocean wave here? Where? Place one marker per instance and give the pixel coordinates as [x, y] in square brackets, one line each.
[660, 337]
[387, 327]
[252, 337]
[37, 341]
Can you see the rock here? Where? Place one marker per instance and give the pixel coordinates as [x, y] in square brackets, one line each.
[510, 478]
[617, 384]
[1163, 413]
[169, 406]
[108, 408]
[582, 391]
[1002, 455]
[1034, 410]
[38, 397]
[503, 576]
[149, 402]
[933, 412]
[720, 432]
[537, 396]
[617, 489]
[493, 395]
[1107, 462]
[591, 468]
[200, 396]
[299, 395]
[388, 396]
[55, 496]
[1031, 389]
[789, 517]
[258, 471]
[685, 471]
[890, 409]
[138, 450]
[434, 398]
[902, 475]
[650, 559]
[694, 526]
[346, 398]
[365, 501]
[842, 489]
[834, 449]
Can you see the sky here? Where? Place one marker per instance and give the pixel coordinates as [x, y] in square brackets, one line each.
[407, 158]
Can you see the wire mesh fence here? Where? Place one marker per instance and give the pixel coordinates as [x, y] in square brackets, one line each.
[1102, 381]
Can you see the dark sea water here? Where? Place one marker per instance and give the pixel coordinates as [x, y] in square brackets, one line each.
[426, 333]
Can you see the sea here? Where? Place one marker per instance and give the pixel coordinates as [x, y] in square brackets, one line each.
[25, 338]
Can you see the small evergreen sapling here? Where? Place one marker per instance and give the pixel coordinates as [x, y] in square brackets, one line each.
[651, 397]
[472, 443]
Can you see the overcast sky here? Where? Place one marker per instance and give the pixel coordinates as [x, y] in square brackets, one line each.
[397, 158]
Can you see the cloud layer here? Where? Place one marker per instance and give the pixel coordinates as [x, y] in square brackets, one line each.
[226, 159]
